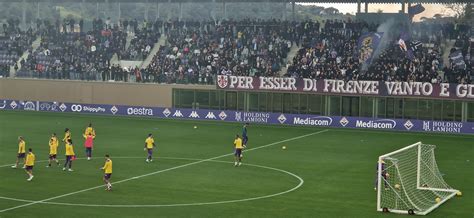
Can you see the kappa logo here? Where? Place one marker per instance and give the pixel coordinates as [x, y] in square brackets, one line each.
[45, 106]
[210, 115]
[222, 115]
[222, 81]
[282, 118]
[114, 110]
[3, 104]
[13, 105]
[54, 106]
[408, 125]
[62, 107]
[344, 121]
[178, 113]
[166, 112]
[194, 114]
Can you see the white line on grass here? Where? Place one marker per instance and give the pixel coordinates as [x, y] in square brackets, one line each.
[301, 181]
[161, 171]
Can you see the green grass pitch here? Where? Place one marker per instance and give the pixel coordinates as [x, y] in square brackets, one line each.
[193, 174]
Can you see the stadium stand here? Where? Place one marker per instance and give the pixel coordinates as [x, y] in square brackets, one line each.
[13, 43]
[195, 52]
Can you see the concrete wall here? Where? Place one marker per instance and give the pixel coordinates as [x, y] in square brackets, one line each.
[137, 94]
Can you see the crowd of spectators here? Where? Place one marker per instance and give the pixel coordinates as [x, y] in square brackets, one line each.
[142, 42]
[13, 43]
[328, 52]
[65, 53]
[195, 52]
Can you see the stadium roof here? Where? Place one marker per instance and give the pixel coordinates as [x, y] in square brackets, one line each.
[262, 1]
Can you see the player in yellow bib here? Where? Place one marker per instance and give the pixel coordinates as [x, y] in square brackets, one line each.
[21, 151]
[53, 150]
[149, 145]
[90, 130]
[69, 155]
[239, 146]
[29, 164]
[107, 172]
[67, 135]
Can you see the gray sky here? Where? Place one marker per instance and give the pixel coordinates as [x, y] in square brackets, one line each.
[431, 9]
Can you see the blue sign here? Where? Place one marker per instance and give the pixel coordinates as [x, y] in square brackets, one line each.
[245, 117]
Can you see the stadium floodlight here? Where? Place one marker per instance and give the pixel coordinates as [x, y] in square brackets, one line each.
[409, 181]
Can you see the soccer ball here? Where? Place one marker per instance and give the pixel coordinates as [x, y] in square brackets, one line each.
[397, 186]
[459, 193]
[438, 200]
[195, 127]
[284, 147]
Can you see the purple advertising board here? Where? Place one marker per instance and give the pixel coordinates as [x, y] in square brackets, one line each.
[242, 117]
[342, 87]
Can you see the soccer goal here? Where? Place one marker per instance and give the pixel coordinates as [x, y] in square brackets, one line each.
[409, 181]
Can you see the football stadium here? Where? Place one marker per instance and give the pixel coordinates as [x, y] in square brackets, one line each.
[229, 108]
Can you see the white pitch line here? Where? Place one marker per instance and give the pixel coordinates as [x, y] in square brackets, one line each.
[161, 171]
[301, 181]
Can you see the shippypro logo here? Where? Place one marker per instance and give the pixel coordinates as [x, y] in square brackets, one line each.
[377, 124]
[281, 118]
[210, 115]
[222, 115]
[344, 121]
[29, 106]
[3, 104]
[114, 110]
[194, 114]
[76, 108]
[178, 113]
[13, 105]
[222, 81]
[85, 108]
[314, 121]
[166, 112]
[140, 111]
[408, 125]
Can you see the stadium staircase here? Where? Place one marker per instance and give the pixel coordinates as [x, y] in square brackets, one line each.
[156, 48]
[446, 48]
[289, 59]
[114, 60]
[25, 55]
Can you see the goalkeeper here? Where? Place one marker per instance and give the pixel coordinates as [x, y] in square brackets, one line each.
[385, 175]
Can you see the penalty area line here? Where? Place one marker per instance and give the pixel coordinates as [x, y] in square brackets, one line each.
[161, 171]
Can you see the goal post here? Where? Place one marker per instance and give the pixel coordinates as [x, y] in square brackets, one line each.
[409, 181]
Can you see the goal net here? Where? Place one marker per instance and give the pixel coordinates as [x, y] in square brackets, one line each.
[409, 181]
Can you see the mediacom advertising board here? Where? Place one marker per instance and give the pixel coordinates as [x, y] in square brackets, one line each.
[243, 117]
